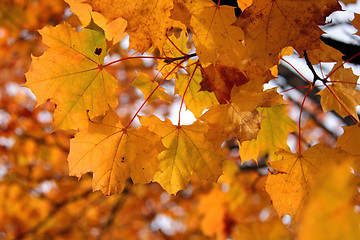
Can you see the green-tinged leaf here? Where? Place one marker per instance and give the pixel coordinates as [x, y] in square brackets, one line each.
[70, 74]
[273, 133]
[188, 151]
[147, 86]
[188, 86]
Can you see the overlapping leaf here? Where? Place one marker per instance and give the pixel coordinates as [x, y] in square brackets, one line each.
[147, 87]
[188, 151]
[188, 86]
[71, 75]
[211, 24]
[356, 23]
[342, 96]
[114, 153]
[221, 79]
[350, 140]
[148, 21]
[239, 118]
[271, 25]
[289, 186]
[174, 47]
[114, 30]
[272, 135]
[329, 213]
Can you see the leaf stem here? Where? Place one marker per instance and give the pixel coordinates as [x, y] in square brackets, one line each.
[300, 87]
[302, 106]
[295, 70]
[128, 58]
[332, 82]
[175, 46]
[338, 100]
[183, 97]
[310, 66]
[185, 58]
[348, 60]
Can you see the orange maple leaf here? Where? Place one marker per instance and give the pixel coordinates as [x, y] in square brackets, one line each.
[114, 153]
[342, 96]
[289, 186]
[271, 25]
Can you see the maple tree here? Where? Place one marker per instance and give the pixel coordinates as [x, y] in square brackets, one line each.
[104, 113]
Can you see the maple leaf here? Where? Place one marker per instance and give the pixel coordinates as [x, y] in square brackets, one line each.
[290, 185]
[188, 151]
[173, 48]
[329, 212]
[239, 118]
[324, 53]
[38, 199]
[349, 141]
[148, 21]
[147, 86]
[210, 25]
[223, 79]
[271, 25]
[356, 22]
[70, 74]
[176, 46]
[342, 93]
[188, 86]
[273, 133]
[114, 30]
[114, 153]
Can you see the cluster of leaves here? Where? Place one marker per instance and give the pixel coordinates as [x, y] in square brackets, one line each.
[205, 57]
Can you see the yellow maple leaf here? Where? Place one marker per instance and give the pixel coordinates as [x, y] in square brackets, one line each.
[147, 86]
[342, 93]
[188, 151]
[272, 135]
[188, 86]
[173, 48]
[329, 211]
[114, 153]
[289, 186]
[270, 25]
[176, 46]
[71, 75]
